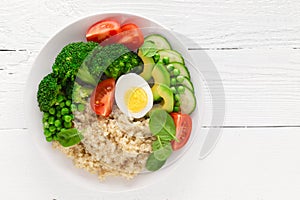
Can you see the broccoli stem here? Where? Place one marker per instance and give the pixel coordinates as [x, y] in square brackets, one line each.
[84, 75]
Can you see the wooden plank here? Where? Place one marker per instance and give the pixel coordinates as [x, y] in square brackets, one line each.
[14, 69]
[262, 87]
[246, 164]
[210, 23]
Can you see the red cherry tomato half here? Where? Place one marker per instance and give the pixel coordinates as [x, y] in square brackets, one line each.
[183, 123]
[131, 36]
[102, 98]
[102, 30]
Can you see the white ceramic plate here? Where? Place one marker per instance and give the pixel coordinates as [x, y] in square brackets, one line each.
[42, 66]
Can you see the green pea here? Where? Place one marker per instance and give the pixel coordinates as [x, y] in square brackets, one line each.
[81, 107]
[47, 133]
[72, 116]
[62, 104]
[166, 60]
[177, 97]
[49, 139]
[173, 81]
[63, 129]
[51, 120]
[52, 111]
[176, 109]
[177, 103]
[170, 67]
[176, 72]
[173, 89]
[68, 103]
[73, 107]
[46, 115]
[156, 57]
[180, 89]
[64, 111]
[180, 79]
[67, 124]
[52, 128]
[57, 123]
[46, 125]
[67, 118]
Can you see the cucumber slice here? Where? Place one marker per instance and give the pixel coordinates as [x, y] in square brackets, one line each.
[187, 101]
[183, 70]
[159, 41]
[188, 84]
[174, 56]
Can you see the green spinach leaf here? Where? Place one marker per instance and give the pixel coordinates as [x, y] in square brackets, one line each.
[157, 121]
[163, 127]
[159, 143]
[164, 152]
[69, 137]
[153, 164]
[161, 123]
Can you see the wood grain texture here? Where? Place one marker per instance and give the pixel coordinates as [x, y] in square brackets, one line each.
[262, 87]
[246, 164]
[212, 24]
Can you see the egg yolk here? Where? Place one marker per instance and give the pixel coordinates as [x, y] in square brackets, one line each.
[136, 99]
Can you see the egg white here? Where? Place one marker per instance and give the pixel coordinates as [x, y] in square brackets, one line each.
[124, 84]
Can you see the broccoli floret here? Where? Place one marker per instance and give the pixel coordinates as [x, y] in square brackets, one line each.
[48, 90]
[114, 60]
[69, 60]
[80, 93]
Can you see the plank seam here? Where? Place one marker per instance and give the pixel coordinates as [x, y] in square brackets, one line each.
[265, 126]
[13, 50]
[10, 129]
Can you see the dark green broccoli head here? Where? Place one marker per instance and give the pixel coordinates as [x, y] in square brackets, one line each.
[48, 90]
[94, 62]
[69, 60]
[114, 60]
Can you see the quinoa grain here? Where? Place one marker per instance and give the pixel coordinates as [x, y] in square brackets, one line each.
[113, 146]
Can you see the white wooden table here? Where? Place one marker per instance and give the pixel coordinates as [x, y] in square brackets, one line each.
[255, 46]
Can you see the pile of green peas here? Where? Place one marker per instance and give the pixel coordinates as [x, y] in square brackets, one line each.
[59, 117]
[175, 80]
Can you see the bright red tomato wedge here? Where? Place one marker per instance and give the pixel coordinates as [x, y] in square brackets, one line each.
[183, 123]
[102, 30]
[131, 36]
[102, 98]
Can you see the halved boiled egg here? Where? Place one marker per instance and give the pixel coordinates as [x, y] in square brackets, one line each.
[133, 95]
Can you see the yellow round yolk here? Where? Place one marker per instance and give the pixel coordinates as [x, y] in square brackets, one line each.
[136, 99]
